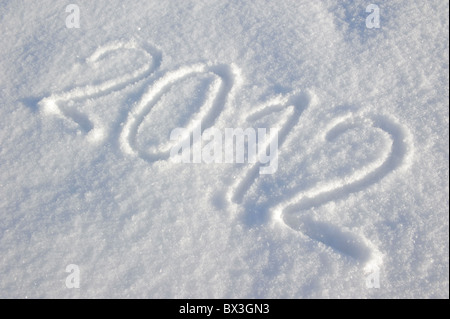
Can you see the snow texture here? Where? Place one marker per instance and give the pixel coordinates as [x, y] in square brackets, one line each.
[359, 205]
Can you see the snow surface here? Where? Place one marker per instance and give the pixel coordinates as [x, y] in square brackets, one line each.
[362, 184]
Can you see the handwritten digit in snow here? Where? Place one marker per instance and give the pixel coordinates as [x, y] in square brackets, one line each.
[224, 78]
[293, 211]
[51, 104]
[291, 108]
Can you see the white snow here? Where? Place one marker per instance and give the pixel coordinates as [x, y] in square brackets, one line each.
[360, 196]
